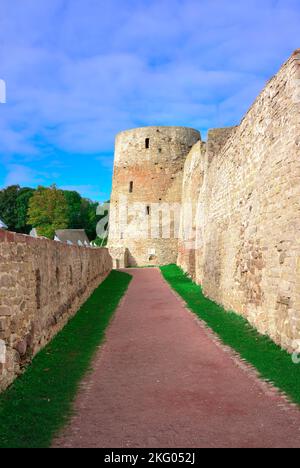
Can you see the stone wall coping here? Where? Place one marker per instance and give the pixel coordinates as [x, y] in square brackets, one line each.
[161, 127]
[11, 237]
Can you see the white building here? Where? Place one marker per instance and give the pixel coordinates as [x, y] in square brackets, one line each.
[2, 225]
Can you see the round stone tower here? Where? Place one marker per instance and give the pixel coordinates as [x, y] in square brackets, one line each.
[146, 194]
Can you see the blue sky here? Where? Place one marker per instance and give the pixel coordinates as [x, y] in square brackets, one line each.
[79, 71]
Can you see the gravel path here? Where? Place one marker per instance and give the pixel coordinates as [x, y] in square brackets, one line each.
[163, 380]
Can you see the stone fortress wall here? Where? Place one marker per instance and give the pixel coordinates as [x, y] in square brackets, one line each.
[239, 196]
[42, 284]
[192, 184]
[194, 197]
[247, 224]
[148, 173]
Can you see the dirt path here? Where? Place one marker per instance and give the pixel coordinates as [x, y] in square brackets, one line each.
[161, 380]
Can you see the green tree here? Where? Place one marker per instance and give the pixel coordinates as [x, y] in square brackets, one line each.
[88, 217]
[8, 206]
[82, 213]
[48, 211]
[73, 200]
[22, 205]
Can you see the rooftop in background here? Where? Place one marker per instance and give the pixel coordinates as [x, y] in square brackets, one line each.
[74, 236]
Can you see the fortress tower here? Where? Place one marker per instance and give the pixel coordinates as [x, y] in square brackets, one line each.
[146, 194]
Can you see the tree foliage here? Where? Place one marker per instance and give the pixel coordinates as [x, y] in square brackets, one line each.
[8, 208]
[82, 213]
[74, 201]
[48, 211]
[22, 205]
[88, 217]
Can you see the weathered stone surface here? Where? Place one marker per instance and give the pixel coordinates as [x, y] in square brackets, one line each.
[148, 172]
[38, 294]
[6, 281]
[191, 210]
[21, 347]
[5, 310]
[247, 249]
[2, 355]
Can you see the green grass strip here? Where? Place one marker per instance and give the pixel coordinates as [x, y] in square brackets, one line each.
[273, 363]
[39, 403]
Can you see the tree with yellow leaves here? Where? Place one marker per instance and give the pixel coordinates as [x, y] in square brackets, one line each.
[48, 211]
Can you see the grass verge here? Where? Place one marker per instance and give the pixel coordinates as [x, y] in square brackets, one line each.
[39, 403]
[273, 363]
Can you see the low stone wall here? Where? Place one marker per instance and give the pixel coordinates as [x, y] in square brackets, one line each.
[42, 284]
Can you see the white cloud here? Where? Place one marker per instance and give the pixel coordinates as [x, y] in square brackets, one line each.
[80, 71]
[19, 175]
